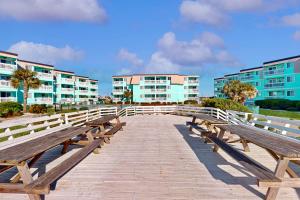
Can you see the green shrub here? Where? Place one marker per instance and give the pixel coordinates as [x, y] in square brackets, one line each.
[278, 104]
[224, 104]
[8, 109]
[38, 108]
[83, 108]
[190, 102]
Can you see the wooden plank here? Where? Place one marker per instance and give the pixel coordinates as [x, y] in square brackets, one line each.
[42, 184]
[18, 153]
[288, 147]
[253, 166]
[101, 120]
[12, 188]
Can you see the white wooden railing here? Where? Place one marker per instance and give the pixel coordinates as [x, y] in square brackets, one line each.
[20, 130]
[15, 131]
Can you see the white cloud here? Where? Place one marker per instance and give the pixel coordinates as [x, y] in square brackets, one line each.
[130, 57]
[291, 20]
[208, 48]
[296, 36]
[196, 11]
[159, 64]
[53, 10]
[45, 53]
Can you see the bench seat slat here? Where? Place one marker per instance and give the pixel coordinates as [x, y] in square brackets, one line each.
[260, 171]
[42, 184]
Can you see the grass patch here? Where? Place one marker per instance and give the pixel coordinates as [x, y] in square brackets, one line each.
[281, 113]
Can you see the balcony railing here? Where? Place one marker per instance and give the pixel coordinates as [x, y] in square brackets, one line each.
[247, 78]
[67, 89]
[150, 81]
[43, 99]
[93, 86]
[193, 81]
[67, 100]
[68, 80]
[193, 98]
[6, 99]
[83, 91]
[8, 67]
[46, 88]
[161, 90]
[193, 90]
[118, 82]
[6, 84]
[161, 81]
[274, 72]
[42, 75]
[117, 99]
[277, 85]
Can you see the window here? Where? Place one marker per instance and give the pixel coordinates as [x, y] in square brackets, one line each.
[289, 79]
[290, 93]
[256, 83]
[141, 87]
[288, 65]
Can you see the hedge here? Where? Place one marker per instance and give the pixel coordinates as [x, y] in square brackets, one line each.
[38, 108]
[224, 104]
[279, 104]
[8, 109]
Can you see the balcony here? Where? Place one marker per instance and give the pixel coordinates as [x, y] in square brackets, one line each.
[274, 85]
[67, 89]
[5, 84]
[82, 83]
[8, 67]
[67, 80]
[47, 88]
[83, 91]
[117, 99]
[42, 75]
[45, 100]
[247, 78]
[118, 91]
[161, 90]
[67, 100]
[274, 72]
[118, 83]
[193, 98]
[149, 81]
[95, 86]
[193, 91]
[6, 99]
[193, 81]
[161, 81]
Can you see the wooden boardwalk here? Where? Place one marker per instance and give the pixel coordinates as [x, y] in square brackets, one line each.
[156, 157]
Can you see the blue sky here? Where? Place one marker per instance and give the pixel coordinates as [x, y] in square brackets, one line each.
[103, 38]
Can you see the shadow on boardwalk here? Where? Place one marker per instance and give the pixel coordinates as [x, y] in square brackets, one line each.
[214, 161]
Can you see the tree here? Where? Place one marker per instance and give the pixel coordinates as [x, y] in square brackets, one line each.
[27, 79]
[128, 95]
[239, 92]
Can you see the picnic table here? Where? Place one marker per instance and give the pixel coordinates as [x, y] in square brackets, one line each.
[106, 126]
[24, 155]
[282, 148]
[209, 121]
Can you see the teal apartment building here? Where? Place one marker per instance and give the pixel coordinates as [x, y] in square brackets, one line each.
[57, 86]
[277, 79]
[149, 88]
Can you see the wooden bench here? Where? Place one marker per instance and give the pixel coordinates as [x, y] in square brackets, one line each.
[42, 184]
[263, 174]
[197, 127]
[25, 154]
[102, 125]
[283, 149]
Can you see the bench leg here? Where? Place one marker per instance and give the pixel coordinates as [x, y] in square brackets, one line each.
[281, 167]
[30, 164]
[193, 121]
[27, 178]
[91, 139]
[245, 145]
[220, 136]
[65, 147]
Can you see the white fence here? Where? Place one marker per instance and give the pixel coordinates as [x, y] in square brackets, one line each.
[14, 131]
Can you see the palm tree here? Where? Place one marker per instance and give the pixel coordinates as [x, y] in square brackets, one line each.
[239, 92]
[27, 79]
[128, 95]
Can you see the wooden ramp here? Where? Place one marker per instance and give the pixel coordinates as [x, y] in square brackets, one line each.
[156, 157]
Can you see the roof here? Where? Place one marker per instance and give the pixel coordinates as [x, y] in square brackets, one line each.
[152, 75]
[283, 59]
[14, 54]
[36, 63]
[93, 80]
[250, 69]
[218, 78]
[82, 76]
[57, 70]
[231, 74]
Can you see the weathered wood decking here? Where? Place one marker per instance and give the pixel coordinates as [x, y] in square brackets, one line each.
[156, 157]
